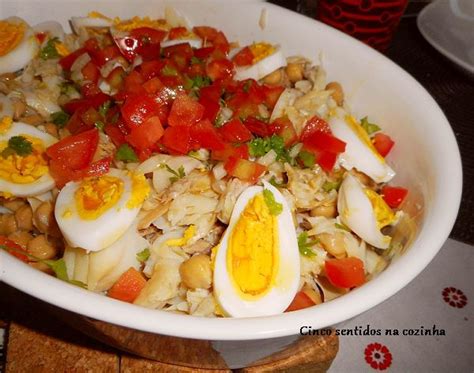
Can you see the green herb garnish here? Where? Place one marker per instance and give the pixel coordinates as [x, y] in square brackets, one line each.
[304, 245]
[49, 51]
[200, 81]
[260, 146]
[68, 89]
[99, 125]
[177, 174]
[143, 255]
[18, 145]
[307, 158]
[370, 128]
[275, 183]
[60, 118]
[330, 185]
[342, 226]
[274, 207]
[104, 108]
[195, 60]
[169, 71]
[126, 154]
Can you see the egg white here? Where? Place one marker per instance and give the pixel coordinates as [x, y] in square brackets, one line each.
[358, 155]
[286, 282]
[356, 211]
[97, 234]
[45, 182]
[194, 43]
[81, 22]
[52, 29]
[23, 53]
[263, 67]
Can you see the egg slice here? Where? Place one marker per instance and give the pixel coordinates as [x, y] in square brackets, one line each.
[28, 175]
[267, 59]
[51, 29]
[364, 212]
[93, 20]
[360, 153]
[18, 44]
[95, 212]
[257, 264]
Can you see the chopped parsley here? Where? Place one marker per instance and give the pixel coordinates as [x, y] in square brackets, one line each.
[330, 185]
[177, 174]
[126, 154]
[342, 226]
[201, 81]
[104, 108]
[370, 128]
[143, 255]
[99, 125]
[49, 51]
[68, 88]
[275, 183]
[304, 245]
[260, 146]
[195, 60]
[274, 207]
[169, 71]
[60, 118]
[18, 145]
[307, 158]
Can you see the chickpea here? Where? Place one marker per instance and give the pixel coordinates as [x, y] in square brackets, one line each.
[334, 244]
[43, 217]
[34, 119]
[24, 218]
[196, 272]
[294, 72]
[273, 78]
[337, 92]
[19, 108]
[52, 129]
[41, 248]
[7, 224]
[20, 237]
[13, 204]
[328, 211]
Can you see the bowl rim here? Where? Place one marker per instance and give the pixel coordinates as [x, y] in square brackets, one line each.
[432, 235]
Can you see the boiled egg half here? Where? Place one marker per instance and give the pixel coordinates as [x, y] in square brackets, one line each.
[18, 44]
[360, 153]
[257, 264]
[95, 212]
[364, 212]
[267, 58]
[24, 168]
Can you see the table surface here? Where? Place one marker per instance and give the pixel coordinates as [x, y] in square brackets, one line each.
[454, 92]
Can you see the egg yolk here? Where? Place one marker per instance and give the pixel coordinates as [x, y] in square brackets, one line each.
[140, 190]
[363, 136]
[252, 255]
[383, 213]
[11, 35]
[95, 14]
[24, 169]
[261, 51]
[5, 124]
[137, 22]
[188, 234]
[96, 195]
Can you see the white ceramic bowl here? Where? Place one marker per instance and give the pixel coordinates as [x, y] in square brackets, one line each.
[426, 158]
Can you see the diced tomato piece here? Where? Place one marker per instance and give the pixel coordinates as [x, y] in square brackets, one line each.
[128, 286]
[272, 94]
[185, 111]
[346, 272]
[97, 168]
[394, 196]
[147, 134]
[220, 69]
[285, 129]
[102, 56]
[75, 124]
[177, 139]
[138, 108]
[77, 150]
[325, 159]
[204, 52]
[153, 85]
[314, 124]
[67, 61]
[383, 143]
[206, 135]
[244, 57]
[257, 127]
[177, 32]
[235, 131]
[300, 301]
[90, 89]
[240, 151]
[14, 249]
[93, 101]
[117, 137]
[212, 92]
[62, 173]
[205, 32]
[183, 49]
[133, 83]
[150, 69]
[221, 43]
[211, 108]
[244, 169]
[324, 142]
[148, 35]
